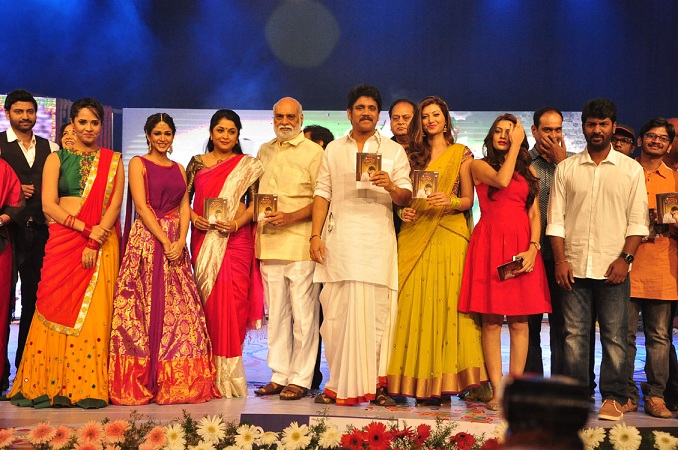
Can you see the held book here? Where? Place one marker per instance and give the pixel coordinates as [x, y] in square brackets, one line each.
[264, 203]
[425, 183]
[509, 269]
[215, 210]
[366, 164]
[667, 208]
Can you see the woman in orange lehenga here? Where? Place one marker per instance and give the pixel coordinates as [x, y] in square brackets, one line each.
[65, 361]
[225, 269]
[160, 350]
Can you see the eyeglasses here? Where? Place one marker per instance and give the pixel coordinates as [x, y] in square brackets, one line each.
[627, 141]
[657, 137]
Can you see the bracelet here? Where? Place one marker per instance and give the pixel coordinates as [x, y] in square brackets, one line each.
[86, 231]
[392, 190]
[536, 245]
[312, 236]
[69, 222]
[236, 225]
[560, 262]
[455, 202]
[94, 245]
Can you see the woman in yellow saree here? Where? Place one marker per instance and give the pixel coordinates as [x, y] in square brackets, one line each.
[66, 357]
[437, 350]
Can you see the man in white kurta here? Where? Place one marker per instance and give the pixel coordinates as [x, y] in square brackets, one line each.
[353, 241]
[291, 165]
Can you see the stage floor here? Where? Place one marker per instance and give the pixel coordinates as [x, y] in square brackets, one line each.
[271, 412]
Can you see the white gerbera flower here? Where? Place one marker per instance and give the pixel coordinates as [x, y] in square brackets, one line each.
[592, 437]
[330, 438]
[202, 445]
[296, 437]
[664, 441]
[247, 436]
[211, 429]
[623, 437]
[176, 437]
[268, 438]
[499, 431]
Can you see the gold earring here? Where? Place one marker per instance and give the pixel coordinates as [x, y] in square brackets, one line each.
[150, 148]
[170, 150]
[444, 128]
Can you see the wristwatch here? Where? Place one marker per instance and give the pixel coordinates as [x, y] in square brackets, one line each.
[626, 257]
[536, 245]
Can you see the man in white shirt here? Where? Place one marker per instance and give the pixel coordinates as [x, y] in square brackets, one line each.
[291, 165]
[26, 154]
[597, 216]
[354, 244]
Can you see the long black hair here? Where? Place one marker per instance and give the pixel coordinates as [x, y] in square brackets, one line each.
[496, 159]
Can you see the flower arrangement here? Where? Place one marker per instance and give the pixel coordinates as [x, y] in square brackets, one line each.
[212, 433]
[623, 437]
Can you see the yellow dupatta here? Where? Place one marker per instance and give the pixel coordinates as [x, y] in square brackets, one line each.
[415, 236]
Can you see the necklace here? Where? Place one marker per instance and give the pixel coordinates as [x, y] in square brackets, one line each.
[223, 159]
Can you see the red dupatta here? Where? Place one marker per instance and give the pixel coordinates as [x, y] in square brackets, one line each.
[66, 288]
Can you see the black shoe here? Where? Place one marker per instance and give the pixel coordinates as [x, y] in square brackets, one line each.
[4, 384]
[671, 403]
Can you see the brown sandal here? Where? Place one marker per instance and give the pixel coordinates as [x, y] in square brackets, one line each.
[382, 398]
[323, 399]
[270, 389]
[293, 392]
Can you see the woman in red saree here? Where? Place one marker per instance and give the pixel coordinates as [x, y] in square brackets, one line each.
[11, 201]
[65, 361]
[223, 253]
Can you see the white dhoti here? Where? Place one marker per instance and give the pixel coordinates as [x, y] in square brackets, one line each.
[357, 331]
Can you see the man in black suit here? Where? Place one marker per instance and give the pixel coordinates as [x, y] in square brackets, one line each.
[26, 154]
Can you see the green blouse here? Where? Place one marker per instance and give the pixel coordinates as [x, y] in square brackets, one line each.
[75, 168]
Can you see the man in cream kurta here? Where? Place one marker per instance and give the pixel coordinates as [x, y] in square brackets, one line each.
[353, 241]
[290, 169]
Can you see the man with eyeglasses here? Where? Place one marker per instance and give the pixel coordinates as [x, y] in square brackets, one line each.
[654, 282]
[622, 139]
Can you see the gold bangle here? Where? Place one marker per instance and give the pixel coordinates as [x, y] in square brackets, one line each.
[560, 262]
[236, 225]
[455, 202]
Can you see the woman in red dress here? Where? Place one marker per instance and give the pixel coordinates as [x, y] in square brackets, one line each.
[509, 226]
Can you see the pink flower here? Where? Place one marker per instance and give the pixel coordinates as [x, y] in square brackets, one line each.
[115, 431]
[91, 431]
[6, 437]
[156, 437]
[41, 434]
[62, 436]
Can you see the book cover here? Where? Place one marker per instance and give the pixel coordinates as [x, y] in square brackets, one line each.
[264, 203]
[667, 208]
[215, 210]
[509, 269]
[366, 165]
[425, 183]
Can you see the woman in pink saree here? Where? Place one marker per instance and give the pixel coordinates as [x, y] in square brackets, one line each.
[223, 253]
